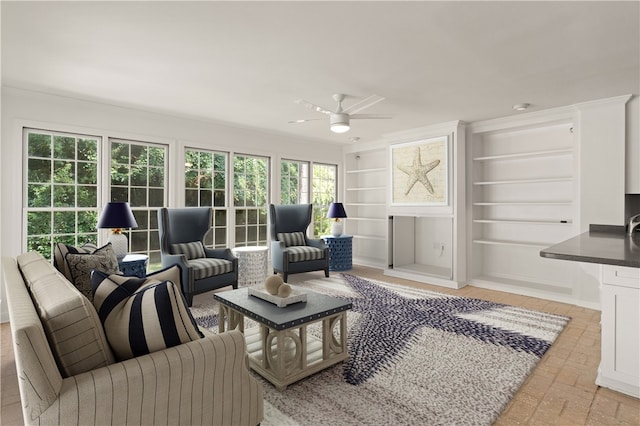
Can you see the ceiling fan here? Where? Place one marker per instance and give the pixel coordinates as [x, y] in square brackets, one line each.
[340, 118]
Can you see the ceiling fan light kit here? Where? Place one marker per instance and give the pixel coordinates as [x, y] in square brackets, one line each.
[339, 122]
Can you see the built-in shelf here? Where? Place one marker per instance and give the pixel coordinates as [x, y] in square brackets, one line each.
[373, 219]
[513, 243]
[365, 200]
[374, 170]
[518, 181]
[524, 203]
[371, 188]
[524, 155]
[369, 237]
[526, 222]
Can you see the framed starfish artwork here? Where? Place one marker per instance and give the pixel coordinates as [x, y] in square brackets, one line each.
[419, 172]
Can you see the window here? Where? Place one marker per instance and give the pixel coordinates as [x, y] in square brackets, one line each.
[294, 182]
[138, 175]
[206, 185]
[324, 188]
[250, 198]
[62, 189]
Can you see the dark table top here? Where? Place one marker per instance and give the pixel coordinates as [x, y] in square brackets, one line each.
[316, 307]
[601, 244]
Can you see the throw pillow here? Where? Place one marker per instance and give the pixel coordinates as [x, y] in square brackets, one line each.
[81, 265]
[194, 250]
[142, 315]
[60, 253]
[292, 238]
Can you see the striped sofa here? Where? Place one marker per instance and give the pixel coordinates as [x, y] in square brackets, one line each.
[68, 375]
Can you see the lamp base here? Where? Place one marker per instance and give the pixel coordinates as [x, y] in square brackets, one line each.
[336, 228]
[120, 244]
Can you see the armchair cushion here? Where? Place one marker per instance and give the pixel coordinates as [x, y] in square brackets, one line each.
[291, 239]
[210, 266]
[194, 250]
[81, 265]
[304, 253]
[142, 316]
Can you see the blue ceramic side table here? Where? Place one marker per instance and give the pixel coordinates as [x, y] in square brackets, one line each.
[340, 252]
[134, 265]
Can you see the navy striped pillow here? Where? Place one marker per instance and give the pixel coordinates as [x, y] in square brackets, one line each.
[291, 239]
[194, 250]
[142, 315]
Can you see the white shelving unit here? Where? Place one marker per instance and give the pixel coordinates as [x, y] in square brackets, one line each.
[522, 200]
[366, 180]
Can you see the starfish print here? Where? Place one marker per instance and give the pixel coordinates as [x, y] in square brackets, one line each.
[389, 322]
[418, 172]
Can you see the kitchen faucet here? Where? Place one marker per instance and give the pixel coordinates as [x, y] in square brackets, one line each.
[634, 222]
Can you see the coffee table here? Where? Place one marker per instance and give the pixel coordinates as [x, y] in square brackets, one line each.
[280, 349]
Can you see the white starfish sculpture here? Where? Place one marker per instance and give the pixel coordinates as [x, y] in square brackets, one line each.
[418, 172]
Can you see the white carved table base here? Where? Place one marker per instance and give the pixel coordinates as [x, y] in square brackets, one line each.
[286, 356]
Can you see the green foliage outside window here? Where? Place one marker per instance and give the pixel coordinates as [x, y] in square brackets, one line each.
[62, 190]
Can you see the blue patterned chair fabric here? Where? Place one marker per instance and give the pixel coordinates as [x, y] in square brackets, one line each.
[182, 232]
[291, 251]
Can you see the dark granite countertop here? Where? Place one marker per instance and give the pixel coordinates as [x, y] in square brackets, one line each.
[610, 245]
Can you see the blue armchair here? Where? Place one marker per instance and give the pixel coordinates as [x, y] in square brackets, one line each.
[291, 251]
[182, 233]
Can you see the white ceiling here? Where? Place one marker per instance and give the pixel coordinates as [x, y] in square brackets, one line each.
[247, 62]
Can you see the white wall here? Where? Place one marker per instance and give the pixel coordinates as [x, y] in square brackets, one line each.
[25, 108]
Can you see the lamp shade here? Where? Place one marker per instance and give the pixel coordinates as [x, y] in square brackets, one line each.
[117, 215]
[336, 210]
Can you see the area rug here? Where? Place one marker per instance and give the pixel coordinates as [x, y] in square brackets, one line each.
[415, 357]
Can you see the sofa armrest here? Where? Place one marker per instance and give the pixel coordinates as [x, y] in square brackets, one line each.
[201, 382]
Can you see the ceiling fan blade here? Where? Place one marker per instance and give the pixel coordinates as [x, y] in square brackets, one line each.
[313, 107]
[365, 103]
[370, 116]
[304, 120]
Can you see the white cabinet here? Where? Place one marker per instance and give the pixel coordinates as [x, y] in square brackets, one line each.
[522, 200]
[366, 182]
[620, 361]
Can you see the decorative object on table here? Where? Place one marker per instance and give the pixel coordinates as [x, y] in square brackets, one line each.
[336, 212]
[277, 292]
[476, 351]
[340, 252]
[117, 216]
[420, 172]
[291, 251]
[182, 233]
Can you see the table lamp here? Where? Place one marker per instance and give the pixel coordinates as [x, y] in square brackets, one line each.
[336, 212]
[117, 216]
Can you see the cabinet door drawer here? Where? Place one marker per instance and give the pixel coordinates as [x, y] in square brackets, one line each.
[621, 276]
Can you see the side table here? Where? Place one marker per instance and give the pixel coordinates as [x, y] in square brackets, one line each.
[252, 264]
[134, 265]
[340, 252]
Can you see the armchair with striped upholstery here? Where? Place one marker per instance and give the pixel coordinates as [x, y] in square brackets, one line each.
[291, 251]
[182, 233]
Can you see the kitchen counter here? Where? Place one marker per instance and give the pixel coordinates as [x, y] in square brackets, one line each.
[609, 245]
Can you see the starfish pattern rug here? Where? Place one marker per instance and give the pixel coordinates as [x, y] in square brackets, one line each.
[415, 357]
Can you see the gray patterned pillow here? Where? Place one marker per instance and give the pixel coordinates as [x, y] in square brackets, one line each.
[193, 250]
[60, 254]
[81, 264]
[292, 238]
